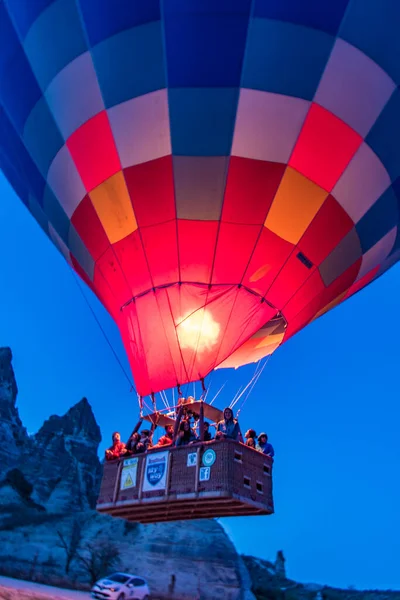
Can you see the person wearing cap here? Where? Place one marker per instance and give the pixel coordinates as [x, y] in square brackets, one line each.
[264, 446]
[145, 442]
[146, 439]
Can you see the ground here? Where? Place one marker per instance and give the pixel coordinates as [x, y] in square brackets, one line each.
[14, 589]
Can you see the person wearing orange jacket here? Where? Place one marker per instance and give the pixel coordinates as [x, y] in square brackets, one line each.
[117, 449]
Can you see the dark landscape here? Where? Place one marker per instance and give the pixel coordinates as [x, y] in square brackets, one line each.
[50, 532]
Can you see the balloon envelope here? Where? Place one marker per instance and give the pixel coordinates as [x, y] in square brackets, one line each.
[219, 172]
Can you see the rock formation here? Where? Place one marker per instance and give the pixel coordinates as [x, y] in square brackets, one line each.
[64, 464]
[280, 564]
[13, 436]
[268, 583]
[60, 460]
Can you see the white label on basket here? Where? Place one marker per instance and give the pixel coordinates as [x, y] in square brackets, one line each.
[192, 459]
[128, 475]
[204, 474]
[156, 469]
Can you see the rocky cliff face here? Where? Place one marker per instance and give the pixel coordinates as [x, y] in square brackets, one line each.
[269, 582]
[60, 460]
[13, 436]
[48, 486]
[64, 464]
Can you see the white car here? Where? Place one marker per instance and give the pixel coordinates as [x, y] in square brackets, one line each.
[121, 586]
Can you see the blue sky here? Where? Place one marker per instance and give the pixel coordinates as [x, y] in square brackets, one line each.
[329, 400]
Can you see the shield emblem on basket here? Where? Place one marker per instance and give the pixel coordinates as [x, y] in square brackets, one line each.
[155, 472]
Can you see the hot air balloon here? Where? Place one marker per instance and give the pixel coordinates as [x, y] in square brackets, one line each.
[219, 172]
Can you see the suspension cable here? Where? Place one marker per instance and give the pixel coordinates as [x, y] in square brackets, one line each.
[255, 375]
[236, 395]
[207, 392]
[164, 398]
[149, 408]
[132, 385]
[217, 394]
[253, 385]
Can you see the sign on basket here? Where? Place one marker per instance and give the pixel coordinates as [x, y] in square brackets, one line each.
[191, 459]
[204, 473]
[155, 474]
[209, 457]
[129, 473]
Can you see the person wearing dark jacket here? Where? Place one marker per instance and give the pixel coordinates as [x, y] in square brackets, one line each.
[264, 446]
[207, 432]
[186, 435]
[229, 428]
[132, 443]
[146, 441]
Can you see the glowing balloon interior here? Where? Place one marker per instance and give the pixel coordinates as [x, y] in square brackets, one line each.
[198, 331]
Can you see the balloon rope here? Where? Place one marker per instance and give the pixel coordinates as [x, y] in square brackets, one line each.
[164, 398]
[254, 379]
[207, 392]
[149, 408]
[241, 394]
[218, 393]
[254, 383]
[104, 333]
[236, 395]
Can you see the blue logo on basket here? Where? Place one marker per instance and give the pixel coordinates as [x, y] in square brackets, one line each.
[209, 457]
[155, 470]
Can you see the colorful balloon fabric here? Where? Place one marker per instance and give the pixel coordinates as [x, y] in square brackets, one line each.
[219, 172]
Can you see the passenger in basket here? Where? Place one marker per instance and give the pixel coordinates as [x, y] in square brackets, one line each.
[117, 449]
[146, 441]
[186, 435]
[229, 428]
[132, 443]
[264, 446]
[167, 438]
[184, 401]
[251, 438]
[207, 433]
[187, 412]
[181, 401]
